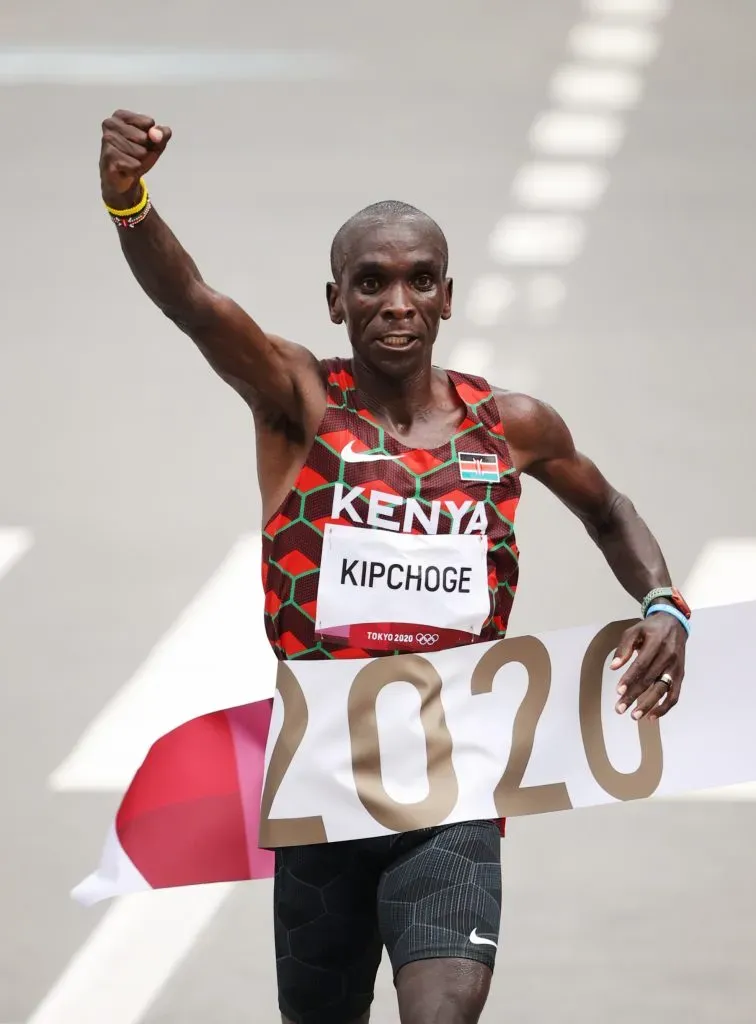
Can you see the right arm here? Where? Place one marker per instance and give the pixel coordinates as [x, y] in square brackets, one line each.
[279, 380]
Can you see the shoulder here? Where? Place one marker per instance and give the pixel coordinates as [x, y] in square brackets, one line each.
[303, 360]
[533, 428]
[308, 378]
[294, 353]
[304, 367]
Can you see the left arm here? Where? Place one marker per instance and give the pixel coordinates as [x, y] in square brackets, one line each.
[543, 448]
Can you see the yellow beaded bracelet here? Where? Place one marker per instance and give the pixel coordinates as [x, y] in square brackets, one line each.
[132, 211]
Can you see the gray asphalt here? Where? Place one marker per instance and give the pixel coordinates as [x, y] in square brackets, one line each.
[134, 467]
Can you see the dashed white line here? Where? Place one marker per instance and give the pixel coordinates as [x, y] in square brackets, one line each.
[97, 67]
[560, 186]
[14, 544]
[566, 134]
[537, 240]
[588, 95]
[651, 10]
[628, 44]
[581, 85]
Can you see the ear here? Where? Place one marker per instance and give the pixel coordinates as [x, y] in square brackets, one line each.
[448, 288]
[334, 303]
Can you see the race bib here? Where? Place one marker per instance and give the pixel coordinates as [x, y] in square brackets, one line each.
[381, 590]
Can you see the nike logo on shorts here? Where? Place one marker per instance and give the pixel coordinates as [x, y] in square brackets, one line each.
[478, 941]
[348, 454]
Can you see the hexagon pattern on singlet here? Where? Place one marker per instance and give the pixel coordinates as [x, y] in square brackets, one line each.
[293, 537]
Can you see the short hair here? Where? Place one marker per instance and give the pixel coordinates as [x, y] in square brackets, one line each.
[387, 209]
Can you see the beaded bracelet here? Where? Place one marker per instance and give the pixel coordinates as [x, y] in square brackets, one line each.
[134, 215]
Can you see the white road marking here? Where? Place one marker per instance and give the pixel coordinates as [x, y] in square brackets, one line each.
[560, 186]
[652, 10]
[723, 573]
[98, 67]
[14, 543]
[579, 85]
[126, 961]
[215, 655]
[490, 296]
[586, 91]
[562, 133]
[537, 240]
[627, 44]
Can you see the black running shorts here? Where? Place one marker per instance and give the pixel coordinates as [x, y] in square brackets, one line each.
[424, 894]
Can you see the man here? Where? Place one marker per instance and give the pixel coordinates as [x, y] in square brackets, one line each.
[449, 452]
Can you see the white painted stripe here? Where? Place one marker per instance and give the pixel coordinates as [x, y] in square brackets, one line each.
[723, 573]
[14, 543]
[629, 44]
[537, 239]
[215, 655]
[559, 133]
[130, 956]
[646, 9]
[490, 296]
[612, 88]
[97, 67]
[560, 186]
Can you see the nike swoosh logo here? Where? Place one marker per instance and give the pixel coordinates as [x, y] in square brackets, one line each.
[348, 454]
[478, 941]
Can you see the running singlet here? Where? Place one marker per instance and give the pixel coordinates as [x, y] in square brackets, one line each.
[382, 549]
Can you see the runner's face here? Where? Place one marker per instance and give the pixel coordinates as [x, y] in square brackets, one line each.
[393, 294]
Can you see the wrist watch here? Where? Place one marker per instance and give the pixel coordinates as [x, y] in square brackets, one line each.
[671, 594]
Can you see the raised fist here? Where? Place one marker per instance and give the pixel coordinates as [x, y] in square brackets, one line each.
[131, 145]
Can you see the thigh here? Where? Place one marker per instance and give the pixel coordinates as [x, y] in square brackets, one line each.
[328, 946]
[441, 897]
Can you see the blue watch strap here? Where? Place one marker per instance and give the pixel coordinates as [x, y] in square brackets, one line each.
[670, 610]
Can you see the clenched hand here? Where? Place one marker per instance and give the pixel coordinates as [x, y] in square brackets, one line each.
[131, 146]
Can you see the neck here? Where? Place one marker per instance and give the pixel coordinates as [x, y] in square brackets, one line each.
[399, 400]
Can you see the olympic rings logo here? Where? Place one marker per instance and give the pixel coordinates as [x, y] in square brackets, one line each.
[427, 639]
